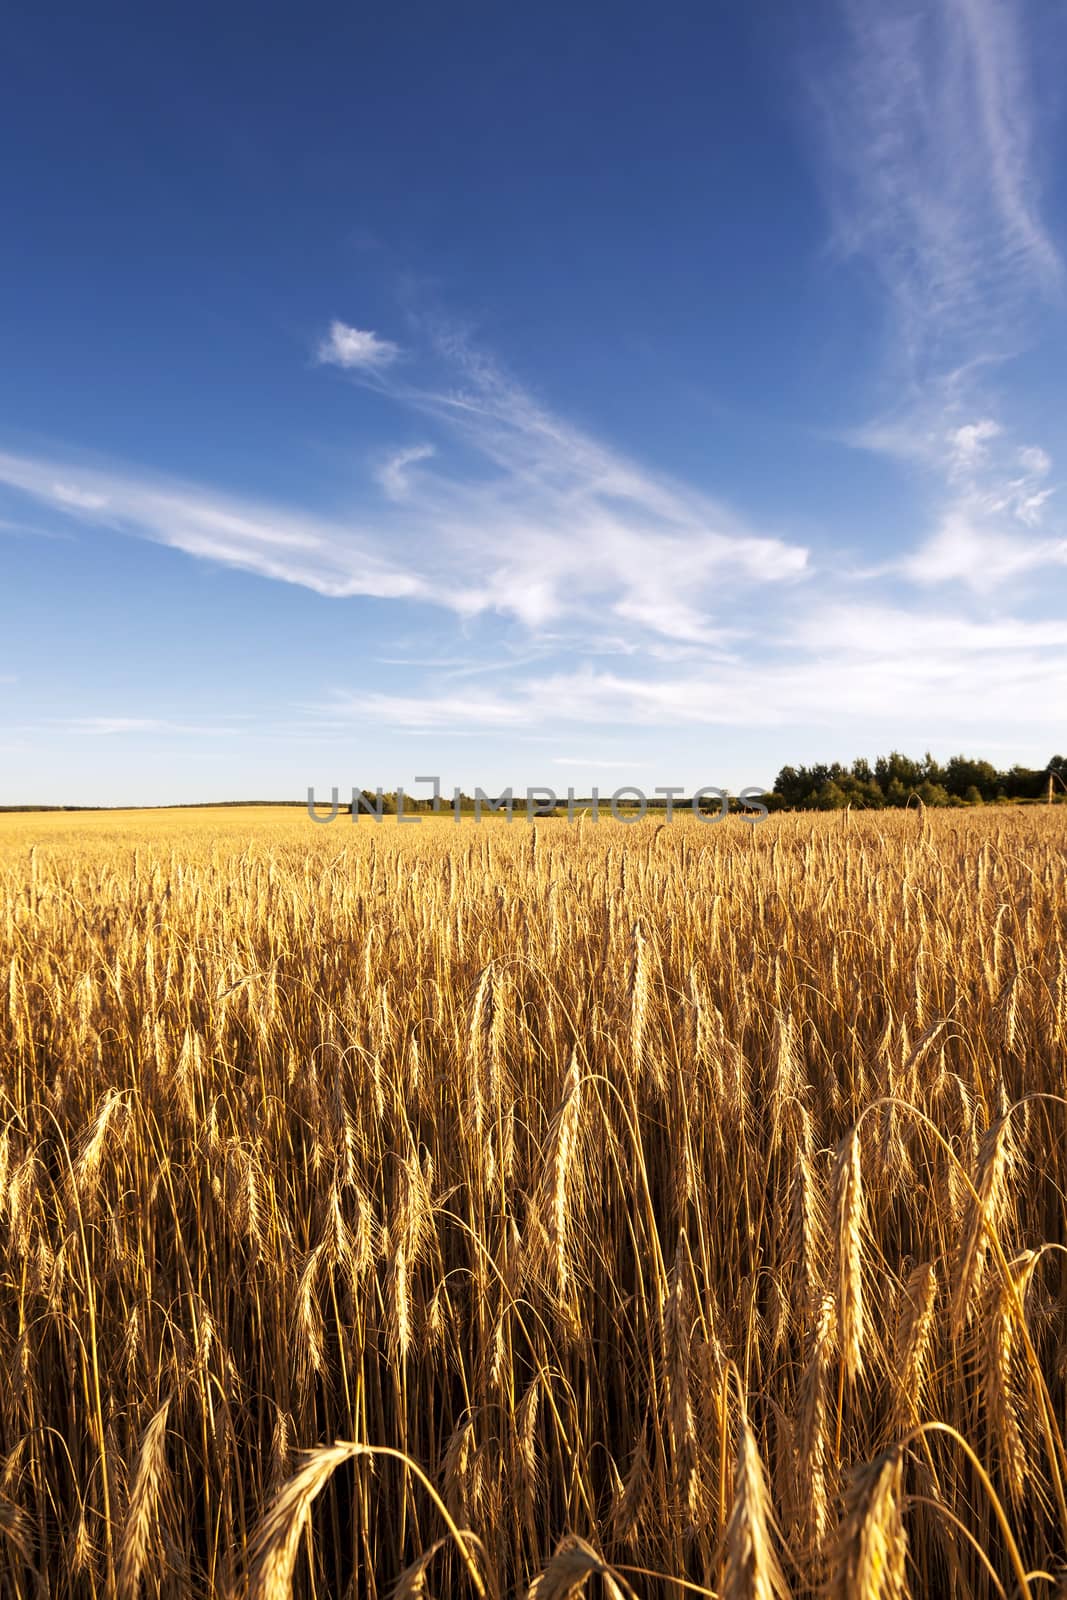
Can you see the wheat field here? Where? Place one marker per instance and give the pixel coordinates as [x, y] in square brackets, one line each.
[489, 1210]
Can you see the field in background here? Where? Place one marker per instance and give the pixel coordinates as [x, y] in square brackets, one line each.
[685, 1200]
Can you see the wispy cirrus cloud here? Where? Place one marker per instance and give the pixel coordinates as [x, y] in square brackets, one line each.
[108, 727]
[393, 474]
[335, 559]
[515, 512]
[79, 499]
[571, 526]
[970, 546]
[929, 130]
[588, 761]
[843, 667]
[125, 727]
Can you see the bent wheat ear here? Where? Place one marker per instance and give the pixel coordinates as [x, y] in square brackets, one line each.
[411, 1584]
[848, 1236]
[639, 998]
[813, 1442]
[570, 1569]
[562, 1177]
[995, 1160]
[15, 1526]
[631, 1496]
[277, 1541]
[914, 1339]
[1006, 1399]
[751, 1570]
[872, 1545]
[142, 1519]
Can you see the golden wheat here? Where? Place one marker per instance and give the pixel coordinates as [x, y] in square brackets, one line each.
[567, 1174]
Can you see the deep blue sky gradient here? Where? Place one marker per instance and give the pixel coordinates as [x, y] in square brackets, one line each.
[648, 223]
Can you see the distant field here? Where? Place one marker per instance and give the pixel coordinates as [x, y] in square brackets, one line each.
[76, 829]
[669, 1209]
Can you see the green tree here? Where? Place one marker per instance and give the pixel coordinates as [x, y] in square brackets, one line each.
[961, 774]
[792, 785]
[898, 769]
[830, 796]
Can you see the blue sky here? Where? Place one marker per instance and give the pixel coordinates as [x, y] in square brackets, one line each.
[559, 395]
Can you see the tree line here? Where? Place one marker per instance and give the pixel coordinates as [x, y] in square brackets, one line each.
[895, 779]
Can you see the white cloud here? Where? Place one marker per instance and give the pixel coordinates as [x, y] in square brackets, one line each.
[995, 498]
[982, 556]
[934, 184]
[845, 668]
[109, 726]
[929, 132]
[355, 348]
[591, 761]
[1030, 508]
[967, 444]
[333, 559]
[393, 474]
[864, 630]
[66, 494]
[1035, 461]
[543, 524]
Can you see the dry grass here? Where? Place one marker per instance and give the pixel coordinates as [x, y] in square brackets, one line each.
[480, 1210]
